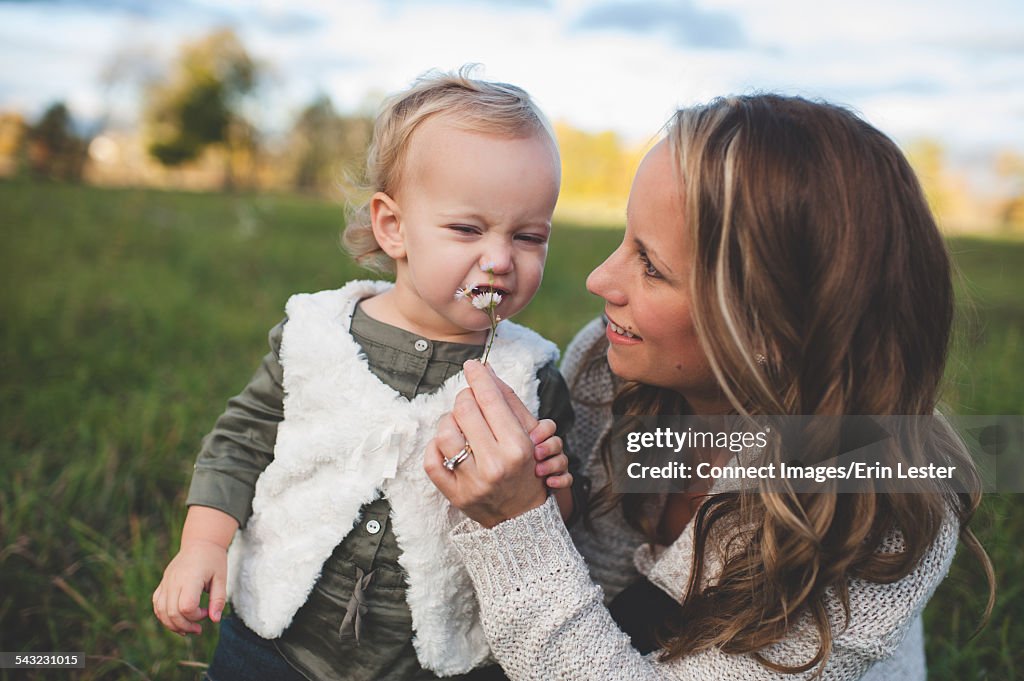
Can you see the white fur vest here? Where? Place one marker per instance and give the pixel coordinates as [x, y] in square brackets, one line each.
[345, 438]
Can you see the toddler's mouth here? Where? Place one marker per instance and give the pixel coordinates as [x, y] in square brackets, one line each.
[479, 289]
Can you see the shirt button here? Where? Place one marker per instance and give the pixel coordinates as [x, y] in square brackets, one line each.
[373, 527]
[421, 345]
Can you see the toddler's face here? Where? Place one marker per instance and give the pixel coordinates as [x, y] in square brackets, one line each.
[469, 201]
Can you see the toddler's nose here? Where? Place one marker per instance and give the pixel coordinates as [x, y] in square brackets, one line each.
[498, 261]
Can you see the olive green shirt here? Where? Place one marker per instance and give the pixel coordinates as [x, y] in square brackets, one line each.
[362, 578]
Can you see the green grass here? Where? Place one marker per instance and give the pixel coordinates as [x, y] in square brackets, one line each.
[130, 316]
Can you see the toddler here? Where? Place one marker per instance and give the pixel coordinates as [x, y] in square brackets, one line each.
[339, 564]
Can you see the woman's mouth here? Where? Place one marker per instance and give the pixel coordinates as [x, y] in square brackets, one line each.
[617, 333]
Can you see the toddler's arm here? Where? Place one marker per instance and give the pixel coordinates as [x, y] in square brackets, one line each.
[233, 456]
[569, 484]
[201, 565]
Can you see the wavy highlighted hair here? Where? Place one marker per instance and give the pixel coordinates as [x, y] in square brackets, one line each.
[814, 247]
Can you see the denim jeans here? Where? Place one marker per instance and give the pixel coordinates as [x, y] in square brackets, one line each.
[242, 655]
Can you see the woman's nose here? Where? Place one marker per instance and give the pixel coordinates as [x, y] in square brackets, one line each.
[606, 282]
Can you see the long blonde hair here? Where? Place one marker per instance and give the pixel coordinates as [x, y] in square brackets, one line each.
[814, 248]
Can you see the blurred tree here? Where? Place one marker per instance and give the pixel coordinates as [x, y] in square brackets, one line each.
[596, 165]
[326, 145]
[53, 150]
[928, 157]
[597, 172]
[201, 104]
[12, 139]
[1011, 210]
[126, 73]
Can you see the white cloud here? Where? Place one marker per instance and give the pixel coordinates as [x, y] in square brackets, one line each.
[913, 67]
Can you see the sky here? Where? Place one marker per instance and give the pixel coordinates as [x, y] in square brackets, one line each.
[949, 70]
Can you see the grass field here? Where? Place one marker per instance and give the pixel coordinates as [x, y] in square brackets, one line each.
[129, 317]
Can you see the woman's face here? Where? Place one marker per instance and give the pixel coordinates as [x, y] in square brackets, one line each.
[646, 287]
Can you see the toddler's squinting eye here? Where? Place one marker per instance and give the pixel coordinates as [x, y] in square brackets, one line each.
[464, 229]
[532, 238]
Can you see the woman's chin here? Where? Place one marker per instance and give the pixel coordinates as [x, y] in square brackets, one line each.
[621, 366]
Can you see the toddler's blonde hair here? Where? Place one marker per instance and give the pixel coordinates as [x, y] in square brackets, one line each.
[471, 104]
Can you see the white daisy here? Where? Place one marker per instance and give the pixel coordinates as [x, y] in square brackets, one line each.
[486, 300]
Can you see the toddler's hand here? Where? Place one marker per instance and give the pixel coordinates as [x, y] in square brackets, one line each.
[553, 464]
[199, 566]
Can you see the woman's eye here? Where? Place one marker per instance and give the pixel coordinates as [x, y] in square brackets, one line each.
[649, 269]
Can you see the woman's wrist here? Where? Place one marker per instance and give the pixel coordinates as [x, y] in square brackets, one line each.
[490, 516]
[517, 552]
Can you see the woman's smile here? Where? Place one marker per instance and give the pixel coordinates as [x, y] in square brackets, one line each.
[619, 335]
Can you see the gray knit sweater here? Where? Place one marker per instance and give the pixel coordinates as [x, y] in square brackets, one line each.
[545, 618]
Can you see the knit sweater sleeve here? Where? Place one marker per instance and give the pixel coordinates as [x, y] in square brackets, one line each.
[545, 619]
[591, 386]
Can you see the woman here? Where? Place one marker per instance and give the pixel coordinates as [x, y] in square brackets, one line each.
[779, 258]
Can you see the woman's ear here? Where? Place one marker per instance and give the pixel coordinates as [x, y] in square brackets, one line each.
[386, 219]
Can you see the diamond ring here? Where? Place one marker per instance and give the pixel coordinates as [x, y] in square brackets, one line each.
[463, 454]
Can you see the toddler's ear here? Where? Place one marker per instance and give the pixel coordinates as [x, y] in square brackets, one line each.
[386, 220]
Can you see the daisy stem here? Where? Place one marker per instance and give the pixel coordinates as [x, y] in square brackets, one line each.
[491, 314]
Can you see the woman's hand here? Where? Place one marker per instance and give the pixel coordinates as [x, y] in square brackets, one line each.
[499, 481]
